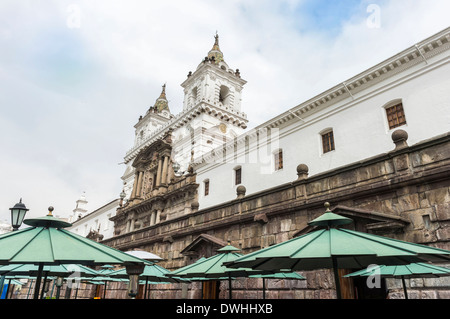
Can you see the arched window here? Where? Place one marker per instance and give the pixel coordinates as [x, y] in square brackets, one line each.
[224, 95]
[194, 94]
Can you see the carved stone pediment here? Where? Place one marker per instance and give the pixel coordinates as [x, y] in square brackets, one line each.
[203, 246]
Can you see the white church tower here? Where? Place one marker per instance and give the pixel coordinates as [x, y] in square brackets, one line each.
[155, 117]
[80, 209]
[212, 108]
[211, 117]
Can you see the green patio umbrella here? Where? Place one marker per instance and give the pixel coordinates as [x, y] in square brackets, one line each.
[48, 243]
[64, 270]
[333, 248]
[31, 270]
[413, 270]
[152, 273]
[213, 268]
[103, 277]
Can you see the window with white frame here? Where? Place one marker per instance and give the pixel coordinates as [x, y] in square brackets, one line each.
[395, 115]
[238, 175]
[327, 141]
[206, 187]
[278, 160]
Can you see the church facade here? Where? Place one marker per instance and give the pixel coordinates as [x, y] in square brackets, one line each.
[375, 146]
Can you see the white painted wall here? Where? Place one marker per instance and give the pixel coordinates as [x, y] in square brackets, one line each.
[360, 131]
[97, 220]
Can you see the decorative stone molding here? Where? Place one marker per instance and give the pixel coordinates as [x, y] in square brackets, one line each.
[399, 137]
[240, 191]
[302, 171]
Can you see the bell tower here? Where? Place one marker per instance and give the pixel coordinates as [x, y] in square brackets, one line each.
[211, 106]
[214, 83]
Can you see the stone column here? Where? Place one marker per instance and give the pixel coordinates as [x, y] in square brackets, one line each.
[139, 184]
[171, 173]
[152, 218]
[158, 172]
[131, 225]
[133, 193]
[164, 170]
[153, 181]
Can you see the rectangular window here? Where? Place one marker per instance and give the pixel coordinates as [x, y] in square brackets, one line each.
[395, 116]
[238, 176]
[206, 183]
[328, 142]
[278, 160]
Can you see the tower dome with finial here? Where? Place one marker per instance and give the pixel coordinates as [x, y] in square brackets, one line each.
[161, 103]
[215, 52]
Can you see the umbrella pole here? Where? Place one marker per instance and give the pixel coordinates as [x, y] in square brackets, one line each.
[104, 291]
[229, 286]
[43, 286]
[38, 281]
[29, 288]
[146, 286]
[264, 288]
[336, 278]
[404, 287]
[2, 282]
[53, 288]
[7, 289]
[76, 293]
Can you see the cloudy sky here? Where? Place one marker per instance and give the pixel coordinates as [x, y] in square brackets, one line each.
[76, 75]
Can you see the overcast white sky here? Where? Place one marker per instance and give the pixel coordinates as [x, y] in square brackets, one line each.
[76, 75]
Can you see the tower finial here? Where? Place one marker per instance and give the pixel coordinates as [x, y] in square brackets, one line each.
[215, 54]
[161, 102]
[163, 92]
[216, 39]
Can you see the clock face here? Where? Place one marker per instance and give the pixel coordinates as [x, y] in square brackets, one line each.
[223, 128]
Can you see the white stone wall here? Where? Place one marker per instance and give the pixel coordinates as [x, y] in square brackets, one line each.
[97, 220]
[359, 126]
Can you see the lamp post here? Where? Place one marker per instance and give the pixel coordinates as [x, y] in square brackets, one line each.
[18, 214]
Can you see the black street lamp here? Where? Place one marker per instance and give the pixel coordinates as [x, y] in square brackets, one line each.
[18, 214]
